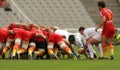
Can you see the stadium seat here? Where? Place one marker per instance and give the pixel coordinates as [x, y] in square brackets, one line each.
[66, 14]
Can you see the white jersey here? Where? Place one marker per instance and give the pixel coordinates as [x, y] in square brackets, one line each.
[63, 33]
[98, 35]
[90, 32]
[80, 40]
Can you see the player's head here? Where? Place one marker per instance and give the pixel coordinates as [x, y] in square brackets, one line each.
[43, 27]
[101, 4]
[54, 28]
[81, 29]
[33, 26]
[49, 30]
[71, 39]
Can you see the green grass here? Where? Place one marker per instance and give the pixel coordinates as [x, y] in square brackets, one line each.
[63, 64]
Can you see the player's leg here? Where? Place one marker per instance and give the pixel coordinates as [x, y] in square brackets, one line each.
[31, 49]
[1, 46]
[39, 53]
[99, 48]
[72, 49]
[7, 47]
[16, 47]
[98, 45]
[40, 49]
[104, 47]
[110, 45]
[55, 50]
[23, 49]
[90, 47]
[50, 50]
[66, 49]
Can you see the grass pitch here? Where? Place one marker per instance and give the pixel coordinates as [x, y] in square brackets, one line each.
[83, 64]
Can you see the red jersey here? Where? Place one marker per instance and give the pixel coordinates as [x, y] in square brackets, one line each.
[1, 2]
[22, 34]
[3, 34]
[11, 36]
[55, 38]
[108, 26]
[15, 25]
[45, 33]
[37, 38]
[105, 12]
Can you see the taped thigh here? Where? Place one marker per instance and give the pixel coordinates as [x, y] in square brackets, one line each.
[42, 50]
[24, 45]
[32, 44]
[18, 41]
[1, 45]
[8, 43]
[62, 44]
[50, 46]
[97, 37]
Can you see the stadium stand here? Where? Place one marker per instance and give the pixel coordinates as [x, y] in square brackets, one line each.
[66, 14]
[91, 5]
[118, 2]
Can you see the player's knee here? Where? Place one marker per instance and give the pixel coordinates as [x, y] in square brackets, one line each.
[25, 46]
[62, 45]
[50, 46]
[18, 41]
[8, 44]
[32, 44]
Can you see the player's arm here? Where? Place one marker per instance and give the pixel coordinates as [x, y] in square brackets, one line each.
[40, 35]
[102, 21]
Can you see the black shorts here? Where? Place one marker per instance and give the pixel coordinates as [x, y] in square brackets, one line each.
[40, 45]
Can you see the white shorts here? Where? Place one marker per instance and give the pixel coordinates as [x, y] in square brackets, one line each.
[97, 37]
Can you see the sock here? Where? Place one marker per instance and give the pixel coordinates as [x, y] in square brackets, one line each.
[67, 49]
[104, 46]
[5, 49]
[1, 45]
[50, 51]
[31, 49]
[22, 50]
[90, 48]
[93, 51]
[15, 48]
[75, 53]
[39, 53]
[111, 48]
[55, 51]
[100, 50]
